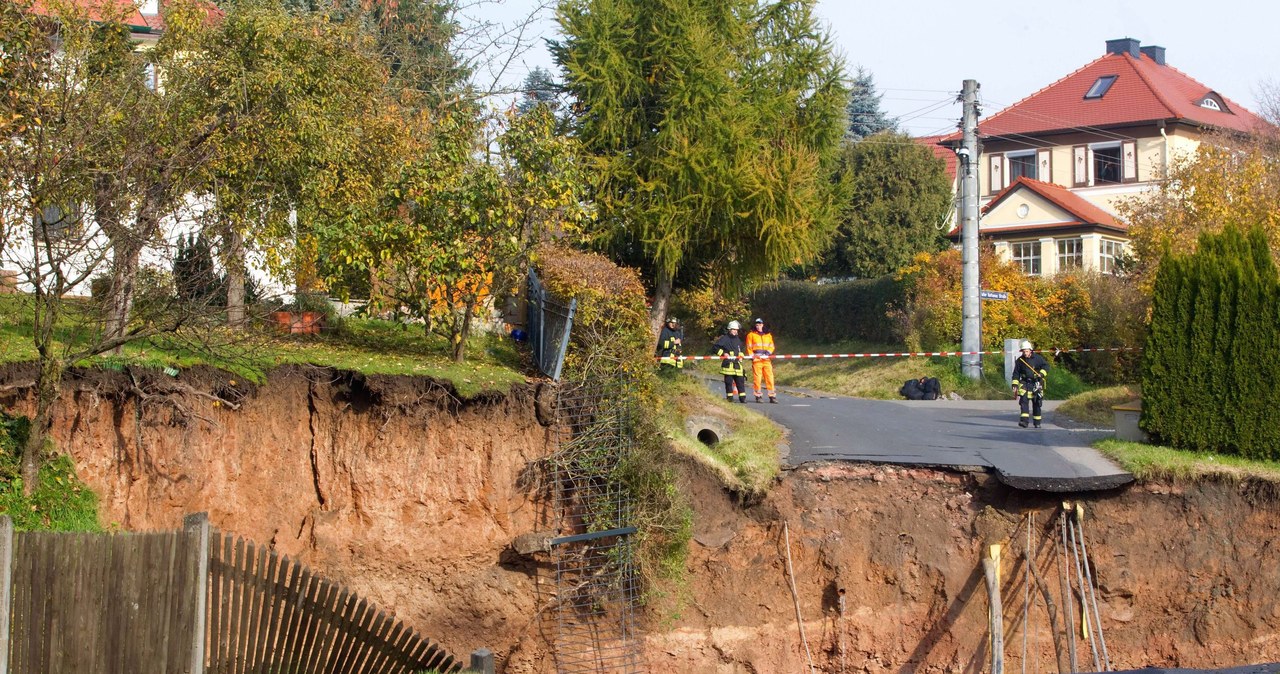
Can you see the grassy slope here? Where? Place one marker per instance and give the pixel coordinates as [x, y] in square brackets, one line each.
[364, 345]
[746, 459]
[1153, 462]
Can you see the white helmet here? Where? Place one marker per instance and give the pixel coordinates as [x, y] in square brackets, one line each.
[734, 325]
[1024, 346]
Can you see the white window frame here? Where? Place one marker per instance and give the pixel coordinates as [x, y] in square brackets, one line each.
[1093, 162]
[1109, 253]
[1009, 158]
[1026, 254]
[1070, 253]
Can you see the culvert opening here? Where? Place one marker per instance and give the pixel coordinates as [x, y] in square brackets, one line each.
[708, 437]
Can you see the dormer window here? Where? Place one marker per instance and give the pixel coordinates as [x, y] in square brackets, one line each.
[1212, 101]
[1100, 86]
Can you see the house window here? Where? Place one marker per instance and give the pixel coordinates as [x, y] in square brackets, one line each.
[1100, 86]
[56, 222]
[1070, 254]
[1022, 165]
[1109, 253]
[1106, 164]
[1026, 254]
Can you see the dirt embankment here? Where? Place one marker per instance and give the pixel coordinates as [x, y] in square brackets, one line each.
[392, 485]
[1187, 576]
[412, 496]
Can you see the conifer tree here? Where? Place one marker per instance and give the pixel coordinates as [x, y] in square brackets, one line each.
[866, 118]
[713, 128]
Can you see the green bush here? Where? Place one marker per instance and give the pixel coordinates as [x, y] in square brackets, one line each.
[61, 502]
[1213, 354]
[860, 309]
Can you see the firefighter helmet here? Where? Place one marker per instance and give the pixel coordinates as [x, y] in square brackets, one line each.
[1025, 345]
[734, 325]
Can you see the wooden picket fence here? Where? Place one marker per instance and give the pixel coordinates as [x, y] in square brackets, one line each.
[187, 602]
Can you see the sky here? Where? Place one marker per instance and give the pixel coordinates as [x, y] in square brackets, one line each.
[920, 51]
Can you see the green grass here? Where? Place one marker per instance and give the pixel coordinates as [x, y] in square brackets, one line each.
[1154, 462]
[1094, 407]
[369, 346]
[746, 457]
[61, 502]
[881, 377]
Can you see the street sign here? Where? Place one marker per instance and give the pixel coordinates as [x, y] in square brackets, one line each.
[993, 295]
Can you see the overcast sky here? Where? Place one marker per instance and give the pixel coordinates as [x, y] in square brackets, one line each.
[921, 50]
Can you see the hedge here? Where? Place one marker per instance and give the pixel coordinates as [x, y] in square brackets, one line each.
[1213, 354]
[861, 309]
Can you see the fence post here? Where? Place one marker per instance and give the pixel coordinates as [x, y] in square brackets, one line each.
[6, 587]
[481, 661]
[197, 524]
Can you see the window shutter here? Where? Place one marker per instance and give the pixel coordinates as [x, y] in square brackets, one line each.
[1044, 165]
[1129, 161]
[996, 182]
[1080, 166]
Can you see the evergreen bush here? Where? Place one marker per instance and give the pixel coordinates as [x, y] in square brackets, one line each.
[1213, 352]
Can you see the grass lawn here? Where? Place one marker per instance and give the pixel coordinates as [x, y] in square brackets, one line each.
[881, 377]
[61, 502]
[370, 346]
[1154, 462]
[1094, 407]
[746, 456]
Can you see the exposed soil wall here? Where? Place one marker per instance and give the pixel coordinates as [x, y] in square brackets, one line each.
[411, 496]
[1187, 576]
[392, 485]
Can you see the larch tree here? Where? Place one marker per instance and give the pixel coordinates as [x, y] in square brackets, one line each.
[712, 128]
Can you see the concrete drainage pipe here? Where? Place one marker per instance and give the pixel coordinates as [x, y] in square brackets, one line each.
[708, 430]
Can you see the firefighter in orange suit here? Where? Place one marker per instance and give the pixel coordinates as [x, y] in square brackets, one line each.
[760, 347]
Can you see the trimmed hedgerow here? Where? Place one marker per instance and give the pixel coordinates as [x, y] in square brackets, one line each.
[1213, 354]
[860, 310]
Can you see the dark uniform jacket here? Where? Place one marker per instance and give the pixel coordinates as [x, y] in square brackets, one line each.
[667, 341]
[730, 349]
[1028, 371]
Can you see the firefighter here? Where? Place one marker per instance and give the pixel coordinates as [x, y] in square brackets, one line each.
[1030, 373]
[669, 341]
[760, 346]
[729, 348]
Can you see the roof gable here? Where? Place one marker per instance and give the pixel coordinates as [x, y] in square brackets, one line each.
[1072, 204]
[1143, 91]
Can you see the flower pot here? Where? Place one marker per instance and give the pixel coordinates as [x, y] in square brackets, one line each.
[298, 322]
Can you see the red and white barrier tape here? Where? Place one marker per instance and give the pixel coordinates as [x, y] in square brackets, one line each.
[905, 354]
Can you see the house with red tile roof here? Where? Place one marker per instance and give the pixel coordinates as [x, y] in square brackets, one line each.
[1054, 166]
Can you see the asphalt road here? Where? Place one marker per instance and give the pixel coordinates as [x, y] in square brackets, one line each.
[943, 433]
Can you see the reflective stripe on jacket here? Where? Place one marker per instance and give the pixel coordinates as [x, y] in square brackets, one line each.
[760, 343]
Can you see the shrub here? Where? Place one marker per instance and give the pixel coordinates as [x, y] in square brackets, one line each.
[1214, 348]
[705, 312]
[1070, 310]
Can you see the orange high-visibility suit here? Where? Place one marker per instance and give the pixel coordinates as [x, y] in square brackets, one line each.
[760, 347]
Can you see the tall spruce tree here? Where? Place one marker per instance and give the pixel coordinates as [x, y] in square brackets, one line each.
[713, 127]
[866, 118]
[897, 195]
[539, 88]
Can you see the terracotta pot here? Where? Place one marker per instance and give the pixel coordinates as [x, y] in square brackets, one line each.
[299, 322]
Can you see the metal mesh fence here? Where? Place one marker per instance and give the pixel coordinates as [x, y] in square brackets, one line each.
[594, 556]
[550, 321]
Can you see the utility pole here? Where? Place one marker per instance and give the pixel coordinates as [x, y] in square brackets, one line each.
[971, 328]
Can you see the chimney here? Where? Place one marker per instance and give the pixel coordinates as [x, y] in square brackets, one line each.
[1125, 45]
[1155, 54]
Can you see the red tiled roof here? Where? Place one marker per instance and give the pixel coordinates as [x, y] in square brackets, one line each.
[100, 10]
[946, 154]
[1085, 212]
[1063, 198]
[1144, 91]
